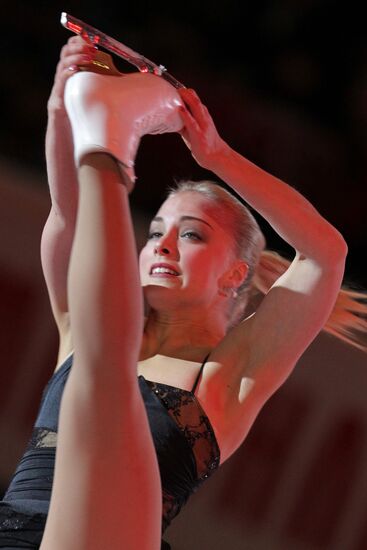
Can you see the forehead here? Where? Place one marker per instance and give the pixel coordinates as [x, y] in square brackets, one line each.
[196, 205]
[188, 203]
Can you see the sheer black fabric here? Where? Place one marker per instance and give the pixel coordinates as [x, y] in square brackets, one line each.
[184, 440]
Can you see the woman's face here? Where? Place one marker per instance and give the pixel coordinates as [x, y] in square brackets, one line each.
[187, 252]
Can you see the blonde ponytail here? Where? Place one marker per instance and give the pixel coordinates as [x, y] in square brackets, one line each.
[270, 267]
[348, 319]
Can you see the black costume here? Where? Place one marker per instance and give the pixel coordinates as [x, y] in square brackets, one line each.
[184, 440]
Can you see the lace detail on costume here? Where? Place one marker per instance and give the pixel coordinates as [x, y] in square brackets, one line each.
[189, 416]
[18, 527]
[170, 509]
[42, 437]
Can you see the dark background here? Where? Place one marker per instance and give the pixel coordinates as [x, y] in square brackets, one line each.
[285, 82]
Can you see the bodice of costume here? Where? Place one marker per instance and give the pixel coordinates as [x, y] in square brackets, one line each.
[185, 443]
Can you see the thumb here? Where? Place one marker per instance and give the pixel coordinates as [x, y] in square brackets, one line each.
[185, 136]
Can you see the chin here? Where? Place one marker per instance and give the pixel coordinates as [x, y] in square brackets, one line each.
[161, 296]
[157, 288]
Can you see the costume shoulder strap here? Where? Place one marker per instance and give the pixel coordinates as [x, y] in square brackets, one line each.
[199, 374]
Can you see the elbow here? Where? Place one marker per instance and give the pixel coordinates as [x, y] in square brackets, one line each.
[336, 254]
[330, 253]
[334, 248]
[339, 248]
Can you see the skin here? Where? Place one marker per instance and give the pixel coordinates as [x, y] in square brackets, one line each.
[188, 310]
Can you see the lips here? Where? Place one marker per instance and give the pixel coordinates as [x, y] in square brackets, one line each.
[163, 269]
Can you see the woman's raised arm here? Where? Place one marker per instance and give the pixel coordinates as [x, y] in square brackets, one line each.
[58, 233]
[290, 214]
[301, 300]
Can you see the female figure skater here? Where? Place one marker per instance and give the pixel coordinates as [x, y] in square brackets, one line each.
[153, 405]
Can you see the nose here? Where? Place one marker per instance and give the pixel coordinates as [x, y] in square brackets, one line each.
[166, 246]
[161, 250]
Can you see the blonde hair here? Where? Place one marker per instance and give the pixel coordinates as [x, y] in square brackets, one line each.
[347, 320]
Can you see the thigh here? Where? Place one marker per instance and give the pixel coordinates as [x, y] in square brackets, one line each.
[106, 491]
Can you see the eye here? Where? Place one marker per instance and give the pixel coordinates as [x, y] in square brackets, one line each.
[154, 235]
[192, 235]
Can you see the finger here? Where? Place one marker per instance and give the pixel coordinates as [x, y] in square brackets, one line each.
[62, 75]
[189, 121]
[71, 70]
[77, 53]
[77, 47]
[68, 66]
[186, 139]
[196, 108]
[80, 39]
[81, 59]
[85, 37]
[75, 39]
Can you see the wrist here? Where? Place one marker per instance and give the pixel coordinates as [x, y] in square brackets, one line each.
[220, 158]
[56, 109]
[58, 118]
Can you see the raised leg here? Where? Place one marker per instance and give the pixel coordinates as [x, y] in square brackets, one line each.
[107, 491]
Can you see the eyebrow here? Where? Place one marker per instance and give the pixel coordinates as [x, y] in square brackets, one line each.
[183, 218]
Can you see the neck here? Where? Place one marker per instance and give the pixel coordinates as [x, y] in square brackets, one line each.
[186, 336]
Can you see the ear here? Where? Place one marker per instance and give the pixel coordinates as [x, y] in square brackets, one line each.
[239, 273]
[235, 275]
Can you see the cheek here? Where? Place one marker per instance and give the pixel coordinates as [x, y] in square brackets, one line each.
[201, 265]
[143, 257]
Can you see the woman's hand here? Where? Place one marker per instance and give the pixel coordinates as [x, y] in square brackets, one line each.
[199, 132]
[76, 52]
